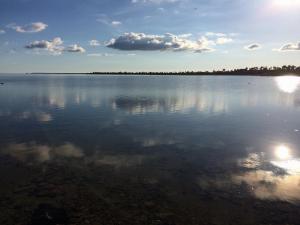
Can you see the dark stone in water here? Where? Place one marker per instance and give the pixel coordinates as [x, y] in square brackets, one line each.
[46, 214]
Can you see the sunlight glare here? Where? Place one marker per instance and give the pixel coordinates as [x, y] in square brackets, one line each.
[292, 166]
[282, 152]
[286, 3]
[288, 84]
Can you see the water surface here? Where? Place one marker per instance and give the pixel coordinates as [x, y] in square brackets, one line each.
[80, 149]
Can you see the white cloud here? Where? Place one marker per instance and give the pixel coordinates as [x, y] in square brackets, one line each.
[29, 28]
[289, 47]
[94, 43]
[185, 35]
[220, 38]
[2, 31]
[116, 23]
[253, 47]
[54, 46]
[144, 42]
[215, 34]
[75, 48]
[223, 40]
[104, 19]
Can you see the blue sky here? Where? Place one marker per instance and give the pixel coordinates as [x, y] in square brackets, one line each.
[147, 35]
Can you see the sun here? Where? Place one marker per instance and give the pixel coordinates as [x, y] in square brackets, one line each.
[286, 3]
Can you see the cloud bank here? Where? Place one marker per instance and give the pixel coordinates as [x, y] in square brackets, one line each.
[144, 42]
[29, 28]
[54, 46]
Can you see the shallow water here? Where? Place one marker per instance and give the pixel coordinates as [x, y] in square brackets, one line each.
[80, 149]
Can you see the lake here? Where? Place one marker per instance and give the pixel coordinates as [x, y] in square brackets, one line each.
[149, 150]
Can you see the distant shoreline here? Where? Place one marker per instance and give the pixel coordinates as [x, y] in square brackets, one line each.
[173, 74]
[254, 71]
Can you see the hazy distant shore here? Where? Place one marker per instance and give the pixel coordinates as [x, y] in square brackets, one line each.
[176, 74]
[254, 71]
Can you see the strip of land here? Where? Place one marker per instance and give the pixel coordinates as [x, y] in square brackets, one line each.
[253, 71]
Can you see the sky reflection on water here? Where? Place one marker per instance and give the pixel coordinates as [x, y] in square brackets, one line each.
[218, 133]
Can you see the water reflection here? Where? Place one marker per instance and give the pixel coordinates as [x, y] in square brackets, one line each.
[283, 152]
[36, 115]
[286, 160]
[119, 161]
[291, 166]
[272, 178]
[267, 185]
[288, 84]
[204, 143]
[139, 105]
[32, 152]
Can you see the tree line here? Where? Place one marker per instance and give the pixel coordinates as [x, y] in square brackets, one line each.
[258, 71]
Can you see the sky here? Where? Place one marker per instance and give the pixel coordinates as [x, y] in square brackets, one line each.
[147, 35]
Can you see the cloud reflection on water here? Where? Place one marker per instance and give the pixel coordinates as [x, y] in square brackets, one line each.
[31, 152]
[267, 185]
[37, 115]
[202, 96]
[94, 115]
[119, 161]
[144, 105]
[269, 178]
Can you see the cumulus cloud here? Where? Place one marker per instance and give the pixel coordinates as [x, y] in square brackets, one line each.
[75, 48]
[94, 43]
[2, 31]
[253, 47]
[54, 46]
[29, 28]
[220, 38]
[144, 42]
[290, 47]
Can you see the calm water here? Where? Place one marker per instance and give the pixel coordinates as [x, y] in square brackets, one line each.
[149, 150]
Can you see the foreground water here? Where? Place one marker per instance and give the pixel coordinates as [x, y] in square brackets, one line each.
[149, 150]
